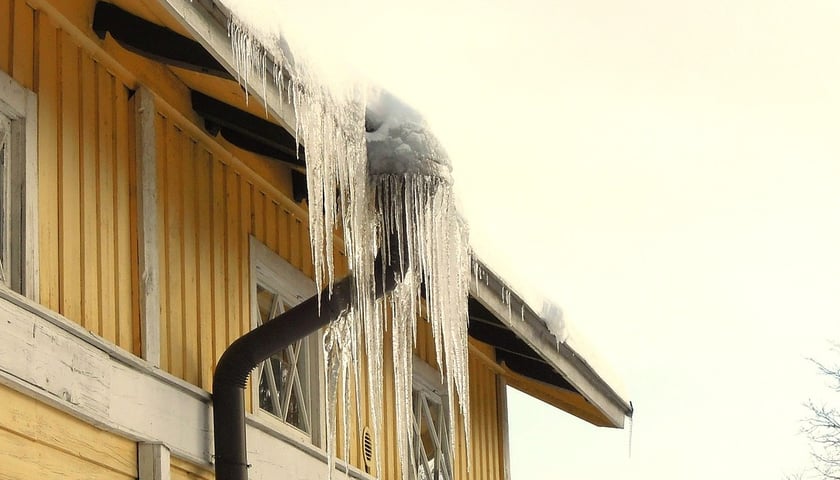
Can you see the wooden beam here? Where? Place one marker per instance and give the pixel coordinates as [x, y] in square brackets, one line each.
[154, 41]
[53, 360]
[153, 461]
[207, 30]
[147, 232]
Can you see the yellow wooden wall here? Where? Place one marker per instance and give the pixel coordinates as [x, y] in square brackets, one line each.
[210, 202]
[40, 442]
[86, 165]
[486, 453]
[208, 207]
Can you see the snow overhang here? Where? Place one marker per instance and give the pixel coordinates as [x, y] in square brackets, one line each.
[535, 361]
[536, 364]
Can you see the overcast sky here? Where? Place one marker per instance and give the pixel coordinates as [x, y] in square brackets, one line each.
[668, 173]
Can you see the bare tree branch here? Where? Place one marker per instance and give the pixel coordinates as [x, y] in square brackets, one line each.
[822, 427]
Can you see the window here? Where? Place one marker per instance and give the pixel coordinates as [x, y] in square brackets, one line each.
[287, 386]
[432, 440]
[5, 194]
[18, 182]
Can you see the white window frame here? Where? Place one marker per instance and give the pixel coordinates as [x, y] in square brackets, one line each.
[293, 287]
[426, 382]
[20, 106]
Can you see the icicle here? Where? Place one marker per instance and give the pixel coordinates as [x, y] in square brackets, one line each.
[407, 217]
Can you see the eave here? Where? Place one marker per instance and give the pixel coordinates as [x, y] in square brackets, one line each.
[524, 347]
[533, 347]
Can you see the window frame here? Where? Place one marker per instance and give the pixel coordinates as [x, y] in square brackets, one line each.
[293, 287]
[20, 106]
[426, 380]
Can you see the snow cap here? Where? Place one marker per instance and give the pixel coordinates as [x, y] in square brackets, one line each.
[552, 315]
[399, 141]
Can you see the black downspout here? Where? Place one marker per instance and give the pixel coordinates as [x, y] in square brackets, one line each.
[256, 346]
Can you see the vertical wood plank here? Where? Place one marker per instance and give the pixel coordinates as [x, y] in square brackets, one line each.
[89, 252]
[153, 462]
[48, 168]
[283, 239]
[271, 213]
[134, 334]
[218, 260]
[22, 44]
[70, 278]
[244, 263]
[257, 213]
[175, 239]
[306, 252]
[162, 129]
[7, 14]
[244, 276]
[232, 287]
[122, 201]
[147, 222]
[204, 258]
[504, 431]
[190, 261]
[104, 202]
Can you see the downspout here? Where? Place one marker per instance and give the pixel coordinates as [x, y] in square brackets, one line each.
[258, 345]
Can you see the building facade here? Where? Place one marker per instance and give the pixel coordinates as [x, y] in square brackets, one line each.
[141, 235]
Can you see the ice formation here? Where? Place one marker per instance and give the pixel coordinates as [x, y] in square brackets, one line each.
[375, 171]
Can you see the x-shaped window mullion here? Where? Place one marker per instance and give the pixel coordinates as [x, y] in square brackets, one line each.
[418, 444]
[276, 309]
[294, 387]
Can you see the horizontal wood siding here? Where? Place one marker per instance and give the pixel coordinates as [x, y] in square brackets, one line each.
[181, 470]
[85, 167]
[40, 442]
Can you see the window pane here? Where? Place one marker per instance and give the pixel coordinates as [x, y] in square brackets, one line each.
[431, 437]
[265, 302]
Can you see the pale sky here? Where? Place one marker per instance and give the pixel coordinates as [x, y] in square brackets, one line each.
[668, 173]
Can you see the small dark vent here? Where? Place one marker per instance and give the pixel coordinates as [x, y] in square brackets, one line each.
[367, 446]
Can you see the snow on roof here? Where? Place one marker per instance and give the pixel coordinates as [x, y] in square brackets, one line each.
[566, 339]
[399, 141]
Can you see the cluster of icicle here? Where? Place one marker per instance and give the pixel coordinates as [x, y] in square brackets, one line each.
[408, 219]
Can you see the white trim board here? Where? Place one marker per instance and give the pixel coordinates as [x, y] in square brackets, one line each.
[47, 357]
[206, 30]
[20, 105]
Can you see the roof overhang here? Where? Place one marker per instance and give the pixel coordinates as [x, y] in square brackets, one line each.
[527, 351]
[535, 350]
[207, 23]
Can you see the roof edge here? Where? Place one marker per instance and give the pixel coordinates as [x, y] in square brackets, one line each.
[207, 30]
[492, 292]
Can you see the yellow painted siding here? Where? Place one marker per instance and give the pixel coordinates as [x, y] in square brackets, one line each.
[210, 202]
[181, 470]
[40, 442]
[485, 454]
[209, 206]
[86, 163]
